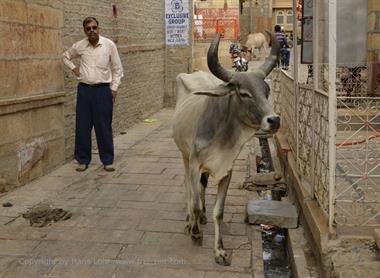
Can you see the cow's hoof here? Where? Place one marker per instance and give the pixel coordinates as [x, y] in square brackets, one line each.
[203, 219]
[197, 239]
[187, 229]
[222, 258]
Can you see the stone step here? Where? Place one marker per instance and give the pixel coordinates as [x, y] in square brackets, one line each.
[269, 212]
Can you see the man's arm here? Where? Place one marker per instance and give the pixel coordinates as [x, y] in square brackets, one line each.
[68, 55]
[117, 70]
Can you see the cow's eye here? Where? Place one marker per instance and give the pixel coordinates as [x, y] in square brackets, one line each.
[245, 94]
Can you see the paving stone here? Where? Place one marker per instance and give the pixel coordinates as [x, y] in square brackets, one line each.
[76, 249]
[150, 206]
[129, 213]
[168, 226]
[144, 168]
[156, 271]
[22, 267]
[277, 213]
[5, 262]
[140, 196]
[95, 235]
[238, 229]
[149, 179]
[172, 215]
[90, 268]
[25, 232]
[214, 274]
[17, 247]
[5, 219]
[14, 211]
[241, 258]
[193, 257]
[238, 218]
[236, 200]
[166, 197]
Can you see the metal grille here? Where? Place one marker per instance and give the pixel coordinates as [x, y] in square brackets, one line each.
[311, 122]
[321, 150]
[305, 131]
[207, 28]
[358, 162]
[357, 180]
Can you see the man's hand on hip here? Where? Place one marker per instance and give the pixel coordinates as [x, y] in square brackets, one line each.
[76, 71]
[114, 94]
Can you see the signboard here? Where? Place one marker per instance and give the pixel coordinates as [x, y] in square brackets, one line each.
[177, 22]
[307, 32]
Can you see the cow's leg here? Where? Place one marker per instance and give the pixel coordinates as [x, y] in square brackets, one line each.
[188, 192]
[204, 181]
[221, 256]
[265, 48]
[195, 204]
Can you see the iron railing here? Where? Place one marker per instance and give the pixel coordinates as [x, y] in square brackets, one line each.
[305, 121]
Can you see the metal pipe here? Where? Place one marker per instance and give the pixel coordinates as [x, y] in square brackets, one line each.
[315, 89]
[295, 73]
[332, 110]
[250, 27]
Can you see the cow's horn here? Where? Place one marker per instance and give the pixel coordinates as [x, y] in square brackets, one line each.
[271, 60]
[213, 61]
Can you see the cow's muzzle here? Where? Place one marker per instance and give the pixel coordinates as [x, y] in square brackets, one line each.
[270, 123]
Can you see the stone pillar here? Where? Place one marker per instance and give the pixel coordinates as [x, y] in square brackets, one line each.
[373, 30]
[31, 88]
[177, 60]
[373, 54]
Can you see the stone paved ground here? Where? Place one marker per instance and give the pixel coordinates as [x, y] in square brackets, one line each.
[129, 223]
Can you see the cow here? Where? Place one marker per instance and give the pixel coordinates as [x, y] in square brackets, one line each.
[256, 40]
[215, 115]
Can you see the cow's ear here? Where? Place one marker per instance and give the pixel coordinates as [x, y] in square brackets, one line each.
[220, 91]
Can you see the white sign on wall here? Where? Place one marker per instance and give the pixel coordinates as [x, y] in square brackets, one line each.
[177, 22]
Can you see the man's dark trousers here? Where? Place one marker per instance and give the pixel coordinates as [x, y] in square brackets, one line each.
[94, 109]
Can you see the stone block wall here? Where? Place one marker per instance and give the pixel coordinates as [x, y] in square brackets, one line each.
[261, 18]
[200, 50]
[38, 94]
[137, 28]
[31, 90]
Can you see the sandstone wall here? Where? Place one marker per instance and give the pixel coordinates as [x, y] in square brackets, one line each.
[31, 90]
[38, 94]
[138, 30]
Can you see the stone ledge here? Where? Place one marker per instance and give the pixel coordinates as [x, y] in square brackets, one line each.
[314, 216]
[141, 47]
[13, 105]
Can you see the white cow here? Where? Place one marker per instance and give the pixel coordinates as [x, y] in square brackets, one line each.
[256, 40]
[211, 123]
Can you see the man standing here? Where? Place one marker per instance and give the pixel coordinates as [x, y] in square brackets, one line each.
[285, 52]
[99, 76]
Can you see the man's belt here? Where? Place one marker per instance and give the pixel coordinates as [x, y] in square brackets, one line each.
[94, 85]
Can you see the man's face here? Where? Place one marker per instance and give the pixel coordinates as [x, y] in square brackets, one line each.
[91, 30]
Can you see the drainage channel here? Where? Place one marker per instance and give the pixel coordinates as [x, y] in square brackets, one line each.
[275, 253]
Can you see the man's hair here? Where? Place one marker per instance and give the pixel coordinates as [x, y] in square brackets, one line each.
[277, 28]
[89, 19]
